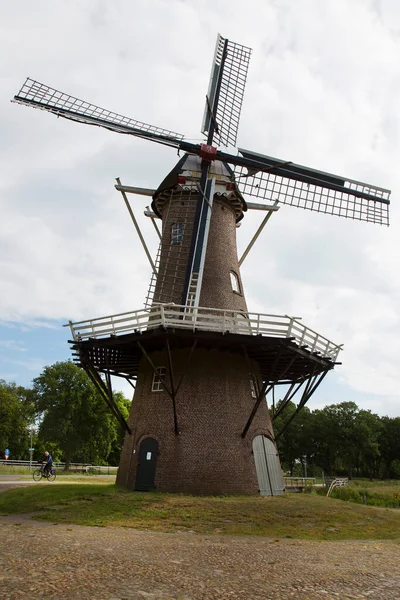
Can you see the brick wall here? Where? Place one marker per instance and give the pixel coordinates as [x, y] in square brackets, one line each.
[209, 456]
[221, 254]
[221, 259]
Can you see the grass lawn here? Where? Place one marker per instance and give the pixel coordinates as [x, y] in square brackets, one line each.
[377, 486]
[373, 493]
[301, 516]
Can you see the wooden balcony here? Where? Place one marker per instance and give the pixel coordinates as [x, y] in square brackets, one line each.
[176, 317]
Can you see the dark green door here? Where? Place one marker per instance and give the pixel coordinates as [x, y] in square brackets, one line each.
[146, 468]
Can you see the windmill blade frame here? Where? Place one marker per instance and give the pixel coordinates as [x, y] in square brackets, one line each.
[38, 95]
[226, 90]
[267, 178]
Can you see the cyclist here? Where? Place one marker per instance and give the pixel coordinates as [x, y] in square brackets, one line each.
[47, 461]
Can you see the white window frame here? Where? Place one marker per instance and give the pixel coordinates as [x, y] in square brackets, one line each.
[253, 387]
[235, 283]
[177, 230]
[158, 378]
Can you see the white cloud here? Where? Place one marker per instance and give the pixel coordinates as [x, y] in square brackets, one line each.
[13, 345]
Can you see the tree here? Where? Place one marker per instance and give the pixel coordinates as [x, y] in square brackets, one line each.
[369, 432]
[346, 438]
[75, 416]
[338, 438]
[16, 414]
[295, 442]
[389, 443]
[105, 446]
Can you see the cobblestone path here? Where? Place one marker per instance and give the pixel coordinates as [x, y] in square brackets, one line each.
[124, 564]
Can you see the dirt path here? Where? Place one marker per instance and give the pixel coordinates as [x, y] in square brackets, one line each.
[8, 482]
[118, 564]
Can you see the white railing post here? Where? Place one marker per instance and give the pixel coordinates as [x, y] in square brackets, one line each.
[74, 336]
[315, 343]
[162, 315]
[301, 340]
[289, 331]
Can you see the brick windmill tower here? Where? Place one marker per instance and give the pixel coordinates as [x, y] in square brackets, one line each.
[202, 365]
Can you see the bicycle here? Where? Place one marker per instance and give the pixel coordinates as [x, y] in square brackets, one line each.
[39, 474]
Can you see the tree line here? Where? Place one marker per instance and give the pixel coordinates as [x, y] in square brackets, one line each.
[340, 439]
[62, 413]
[65, 414]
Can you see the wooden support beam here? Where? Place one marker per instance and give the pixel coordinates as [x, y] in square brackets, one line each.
[264, 391]
[128, 206]
[106, 393]
[128, 189]
[308, 392]
[267, 217]
[173, 392]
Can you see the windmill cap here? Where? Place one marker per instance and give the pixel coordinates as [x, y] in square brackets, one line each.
[187, 173]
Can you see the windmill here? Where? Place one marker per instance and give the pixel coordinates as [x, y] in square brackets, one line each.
[201, 364]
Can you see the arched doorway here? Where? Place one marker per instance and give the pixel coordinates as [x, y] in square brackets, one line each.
[268, 467]
[146, 467]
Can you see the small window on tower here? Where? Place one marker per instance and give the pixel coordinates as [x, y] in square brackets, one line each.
[158, 378]
[253, 387]
[235, 282]
[177, 233]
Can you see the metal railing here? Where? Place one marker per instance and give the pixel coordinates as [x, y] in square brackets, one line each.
[339, 482]
[299, 482]
[73, 467]
[206, 319]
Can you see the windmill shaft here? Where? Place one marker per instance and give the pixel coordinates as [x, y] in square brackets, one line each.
[197, 236]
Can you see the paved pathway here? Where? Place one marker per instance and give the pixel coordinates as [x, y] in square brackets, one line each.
[7, 482]
[123, 564]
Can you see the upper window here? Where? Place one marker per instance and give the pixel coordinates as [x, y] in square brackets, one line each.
[158, 378]
[235, 282]
[253, 387]
[177, 233]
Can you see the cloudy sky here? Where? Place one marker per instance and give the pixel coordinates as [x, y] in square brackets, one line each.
[323, 90]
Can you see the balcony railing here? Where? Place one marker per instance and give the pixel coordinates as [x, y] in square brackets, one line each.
[205, 319]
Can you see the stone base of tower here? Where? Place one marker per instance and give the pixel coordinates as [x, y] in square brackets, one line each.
[208, 455]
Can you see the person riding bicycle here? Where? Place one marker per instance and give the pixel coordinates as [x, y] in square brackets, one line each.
[47, 461]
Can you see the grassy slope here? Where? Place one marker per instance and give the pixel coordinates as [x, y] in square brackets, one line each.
[302, 516]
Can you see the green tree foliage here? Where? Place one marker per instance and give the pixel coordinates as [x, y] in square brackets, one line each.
[295, 442]
[339, 439]
[16, 414]
[74, 416]
[389, 443]
[346, 437]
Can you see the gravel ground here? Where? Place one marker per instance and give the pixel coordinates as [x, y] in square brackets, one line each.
[120, 564]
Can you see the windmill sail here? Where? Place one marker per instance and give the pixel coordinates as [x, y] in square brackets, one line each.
[267, 178]
[226, 89]
[38, 95]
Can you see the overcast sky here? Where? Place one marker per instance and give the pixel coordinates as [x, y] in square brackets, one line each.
[322, 91]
